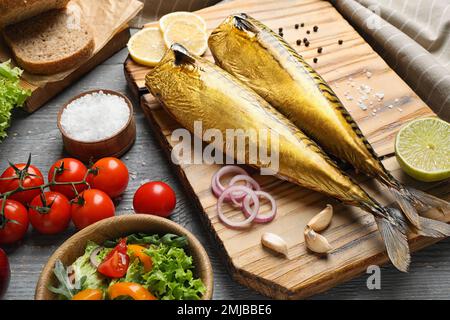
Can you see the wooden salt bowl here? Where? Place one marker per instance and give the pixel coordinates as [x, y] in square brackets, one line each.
[114, 146]
[121, 226]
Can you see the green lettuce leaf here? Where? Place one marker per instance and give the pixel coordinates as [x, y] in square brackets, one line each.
[85, 270]
[11, 94]
[134, 272]
[171, 277]
[169, 239]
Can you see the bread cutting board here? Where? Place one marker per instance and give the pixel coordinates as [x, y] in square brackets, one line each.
[352, 233]
[40, 95]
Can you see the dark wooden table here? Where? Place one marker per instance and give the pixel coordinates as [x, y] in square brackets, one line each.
[429, 277]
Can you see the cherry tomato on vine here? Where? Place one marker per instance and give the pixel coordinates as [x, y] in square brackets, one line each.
[109, 175]
[90, 206]
[115, 264]
[5, 272]
[68, 170]
[14, 222]
[49, 213]
[31, 177]
[156, 198]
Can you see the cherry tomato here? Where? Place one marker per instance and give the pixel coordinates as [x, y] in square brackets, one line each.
[32, 178]
[89, 294]
[68, 170]
[129, 289]
[90, 206]
[110, 175]
[115, 264]
[50, 213]
[5, 272]
[14, 223]
[156, 198]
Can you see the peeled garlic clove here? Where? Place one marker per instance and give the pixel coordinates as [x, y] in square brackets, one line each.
[322, 220]
[275, 243]
[316, 242]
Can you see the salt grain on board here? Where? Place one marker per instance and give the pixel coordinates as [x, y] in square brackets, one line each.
[362, 106]
[379, 96]
[95, 116]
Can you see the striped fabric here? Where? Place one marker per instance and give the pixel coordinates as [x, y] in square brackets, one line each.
[413, 37]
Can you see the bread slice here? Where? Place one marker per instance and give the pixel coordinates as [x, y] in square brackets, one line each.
[13, 11]
[50, 43]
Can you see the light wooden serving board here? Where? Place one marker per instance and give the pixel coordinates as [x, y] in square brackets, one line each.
[353, 233]
[40, 95]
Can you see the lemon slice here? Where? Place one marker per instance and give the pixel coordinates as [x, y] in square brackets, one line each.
[168, 19]
[147, 46]
[422, 148]
[188, 34]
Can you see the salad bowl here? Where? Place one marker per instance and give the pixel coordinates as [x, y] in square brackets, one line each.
[121, 226]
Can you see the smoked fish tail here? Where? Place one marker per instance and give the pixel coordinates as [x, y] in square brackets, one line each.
[414, 202]
[264, 61]
[393, 229]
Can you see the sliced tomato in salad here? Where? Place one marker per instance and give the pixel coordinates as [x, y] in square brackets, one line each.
[115, 264]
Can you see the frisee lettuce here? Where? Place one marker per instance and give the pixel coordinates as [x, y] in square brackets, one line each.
[11, 94]
[171, 277]
[141, 238]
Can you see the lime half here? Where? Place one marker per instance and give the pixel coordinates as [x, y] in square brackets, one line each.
[422, 148]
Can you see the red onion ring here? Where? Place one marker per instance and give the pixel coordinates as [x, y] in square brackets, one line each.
[71, 274]
[252, 212]
[93, 257]
[216, 186]
[250, 182]
[246, 208]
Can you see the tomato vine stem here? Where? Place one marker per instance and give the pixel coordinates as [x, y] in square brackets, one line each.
[21, 176]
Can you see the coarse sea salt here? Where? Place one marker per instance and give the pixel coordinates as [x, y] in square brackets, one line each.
[95, 116]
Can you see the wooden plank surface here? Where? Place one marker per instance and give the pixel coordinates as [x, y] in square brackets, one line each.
[429, 276]
[41, 95]
[353, 233]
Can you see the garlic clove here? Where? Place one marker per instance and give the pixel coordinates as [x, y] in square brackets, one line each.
[275, 243]
[322, 220]
[316, 242]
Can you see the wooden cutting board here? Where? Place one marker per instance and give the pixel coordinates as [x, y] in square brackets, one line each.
[40, 95]
[353, 233]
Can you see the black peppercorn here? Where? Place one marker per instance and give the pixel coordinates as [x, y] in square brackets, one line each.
[315, 60]
[315, 28]
[280, 30]
[299, 42]
[319, 50]
[308, 32]
[340, 42]
[306, 43]
[281, 34]
[302, 25]
[296, 26]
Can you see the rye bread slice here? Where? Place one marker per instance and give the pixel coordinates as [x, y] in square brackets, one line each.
[13, 11]
[50, 43]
